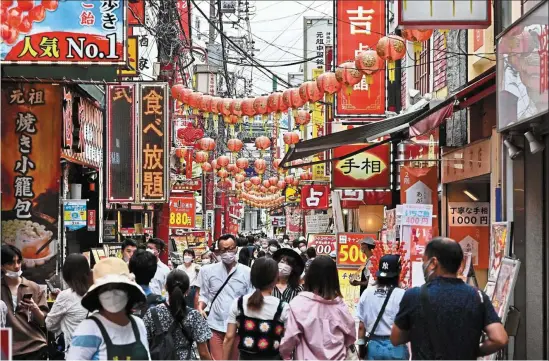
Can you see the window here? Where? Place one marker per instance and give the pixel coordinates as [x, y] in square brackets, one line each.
[526, 5]
[422, 69]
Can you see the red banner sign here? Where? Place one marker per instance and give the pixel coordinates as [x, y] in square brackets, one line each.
[368, 169]
[324, 244]
[420, 186]
[182, 212]
[92, 220]
[348, 249]
[360, 24]
[315, 196]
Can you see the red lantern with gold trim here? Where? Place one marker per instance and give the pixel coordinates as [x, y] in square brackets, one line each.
[216, 103]
[260, 105]
[206, 167]
[206, 104]
[391, 48]
[235, 145]
[248, 184]
[242, 163]
[281, 184]
[260, 164]
[255, 181]
[417, 36]
[222, 173]
[248, 107]
[291, 138]
[223, 161]
[240, 178]
[274, 102]
[201, 156]
[289, 179]
[296, 99]
[327, 83]
[180, 152]
[194, 100]
[214, 164]
[309, 90]
[368, 63]
[302, 118]
[262, 143]
[348, 75]
[273, 180]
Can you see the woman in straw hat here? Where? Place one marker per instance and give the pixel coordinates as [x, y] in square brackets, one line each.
[111, 333]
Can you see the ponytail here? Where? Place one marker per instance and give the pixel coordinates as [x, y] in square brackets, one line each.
[178, 305]
[256, 300]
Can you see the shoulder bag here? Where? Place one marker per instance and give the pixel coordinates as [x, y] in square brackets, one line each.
[379, 315]
[220, 289]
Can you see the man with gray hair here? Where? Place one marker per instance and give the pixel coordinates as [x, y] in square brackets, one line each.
[367, 246]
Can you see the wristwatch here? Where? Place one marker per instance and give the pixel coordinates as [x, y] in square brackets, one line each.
[361, 342]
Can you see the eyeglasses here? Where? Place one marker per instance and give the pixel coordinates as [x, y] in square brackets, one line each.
[232, 250]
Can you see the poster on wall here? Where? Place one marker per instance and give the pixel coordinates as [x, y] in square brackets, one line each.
[469, 225]
[505, 284]
[420, 186]
[182, 212]
[31, 170]
[294, 221]
[317, 223]
[324, 244]
[348, 249]
[351, 294]
[500, 242]
[74, 214]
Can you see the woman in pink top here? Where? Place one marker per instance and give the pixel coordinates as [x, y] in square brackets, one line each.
[319, 325]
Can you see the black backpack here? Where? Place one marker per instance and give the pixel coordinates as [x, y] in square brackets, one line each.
[152, 300]
[162, 345]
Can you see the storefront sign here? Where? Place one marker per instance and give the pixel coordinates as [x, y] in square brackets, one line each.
[421, 151]
[470, 161]
[317, 34]
[130, 69]
[317, 223]
[523, 69]
[350, 293]
[182, 212]
[348, 249]
[74, 214]
[324, 244]
[319, 130]
[368, 169]
[121, 143]
[31, 171]
[469, 225]
[294, 221]
[315, 196]
[92, 220]
[358, 27]
[417, 214]
[185, 185]
[420, 186]
[427, 14]
[153, 168]
[67, 32]
[354, 198]
[278, 221]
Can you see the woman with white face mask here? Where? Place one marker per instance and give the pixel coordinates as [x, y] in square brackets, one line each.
[191, 269]
[290, 268]
[116, 334]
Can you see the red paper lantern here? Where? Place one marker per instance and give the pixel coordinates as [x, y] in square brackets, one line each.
[206, 144]
[296, 182]
[236, 107]
[289, 179]
[214, 164]
[255, 181]
[275, 103]
[235, 145]
[216, 101]
[296, 99]
[260, 105]
[262, 142]
[266, 183]
[226, 107]
[194, 100]
[273, 180]
[303, 92]
[391, 48]
[242, 163]
[291, 138]
[260, 164]
[206, 103]
[306, 176]
[348, 75]
[222, 173]
[201, 156]
[309, 91]
[273, 189]
[276, 163]
[327, 83]
[281, 184]
[181, 152]
[369, 63]
[207, 167]
[248, 107]
[240, 178]
[248, 184]
[417, 36]
[223, 161]
[303, 117]
[232, 168]
[181, 93]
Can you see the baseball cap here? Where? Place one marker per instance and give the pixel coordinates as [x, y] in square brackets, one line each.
[333, 254]
[369, 241]
[389, 266]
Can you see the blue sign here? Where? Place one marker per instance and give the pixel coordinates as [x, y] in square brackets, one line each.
[74, 214]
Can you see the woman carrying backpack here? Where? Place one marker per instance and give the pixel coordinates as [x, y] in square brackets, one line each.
[258, 318]
[172, 328]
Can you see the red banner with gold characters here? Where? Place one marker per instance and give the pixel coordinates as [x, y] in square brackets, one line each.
[360, 24]
[368, 169]
[420, 186]
[153, 150]
[182, 212]
[31, 170]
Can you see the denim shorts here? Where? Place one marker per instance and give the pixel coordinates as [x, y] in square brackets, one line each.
[381, 348]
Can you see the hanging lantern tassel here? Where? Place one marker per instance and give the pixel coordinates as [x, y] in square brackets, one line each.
[232, 129]
[391, 67]
[185, 109]
[240, 127]
[348, 90]
[444, 33]
[369, 81]
[418, 47]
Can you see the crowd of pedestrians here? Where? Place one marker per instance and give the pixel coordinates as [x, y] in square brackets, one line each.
[250, 299]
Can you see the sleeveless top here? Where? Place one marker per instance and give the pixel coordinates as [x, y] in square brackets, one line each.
[259, 338]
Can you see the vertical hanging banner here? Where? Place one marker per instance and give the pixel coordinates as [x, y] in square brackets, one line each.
[31, 170]
[469, 225]
[420, 186]
[121, 143]
[319, 130]
[153, 149]
[360, 24]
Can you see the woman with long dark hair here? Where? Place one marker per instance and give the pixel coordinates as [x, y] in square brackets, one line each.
[257, 318]
[319, 326]
[192, 326]
[290, 268]
[67, 311]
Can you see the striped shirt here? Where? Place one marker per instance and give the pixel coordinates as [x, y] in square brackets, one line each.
[288, 294]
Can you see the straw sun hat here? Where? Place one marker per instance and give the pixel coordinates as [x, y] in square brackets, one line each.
[115, 272]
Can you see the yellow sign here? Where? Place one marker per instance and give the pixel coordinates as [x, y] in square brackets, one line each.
[319, 170]
[292, 196]
[132, 58]
[351, 294]
[362, 166]
[180, 219]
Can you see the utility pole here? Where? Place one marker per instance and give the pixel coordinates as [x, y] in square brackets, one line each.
[212, 33]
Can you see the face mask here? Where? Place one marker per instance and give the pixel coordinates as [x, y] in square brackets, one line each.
[273, 249]
[13, 274]
[187, 259]
[427, 275]
[228, 257]
[264, 245]
[151, 251]
[303, 248]
[284, 269]
[206, 261]
[113, 301]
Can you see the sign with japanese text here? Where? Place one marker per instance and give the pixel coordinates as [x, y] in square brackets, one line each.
[92, 220]
[350, 293]
[147, 52]
[89, 32]
[317, 223]
[319, 130]
[470, 161]
[420, 186]
[469, 225]
[427, 14]
[133, 56]
[348, 249]
[74, 214]
[417, 214]
[360, 24]
[318, 34]
[153, 151]
[182, 212]
[323, 243]
[185, 185]
[368, 169]
[421, 151]
[315, 196]
[121, 143]
[523, 69]
[31, 171]
[278, 221]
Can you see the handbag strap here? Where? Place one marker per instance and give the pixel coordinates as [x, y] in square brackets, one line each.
[380, 314]
[221, 288]
[432, 328]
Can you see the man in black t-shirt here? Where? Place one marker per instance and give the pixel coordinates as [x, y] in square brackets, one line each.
[459, 312]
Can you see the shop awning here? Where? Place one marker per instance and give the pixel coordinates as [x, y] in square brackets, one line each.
[363, 134]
